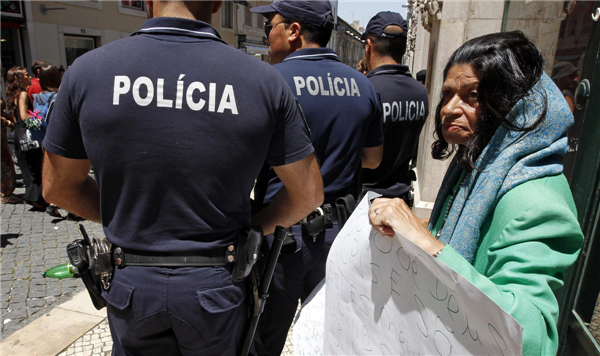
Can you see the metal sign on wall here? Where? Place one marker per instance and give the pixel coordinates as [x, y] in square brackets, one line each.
[12, 9]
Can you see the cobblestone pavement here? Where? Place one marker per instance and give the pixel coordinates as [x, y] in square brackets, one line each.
[32, 242]
[95, 342]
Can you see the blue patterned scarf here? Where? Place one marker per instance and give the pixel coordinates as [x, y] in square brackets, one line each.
[511, 158]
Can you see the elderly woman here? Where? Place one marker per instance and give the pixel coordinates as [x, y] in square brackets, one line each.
[504, 217]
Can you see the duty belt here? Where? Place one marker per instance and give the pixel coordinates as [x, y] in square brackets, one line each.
[327, 211]
[216, 257]
[323, 218]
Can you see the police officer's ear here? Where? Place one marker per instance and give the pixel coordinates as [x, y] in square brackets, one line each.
[368, 47]
[150, 8]
[296, 31]
[368, 54]
[216, 6]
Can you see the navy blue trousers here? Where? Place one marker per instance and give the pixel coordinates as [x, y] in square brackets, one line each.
[296, 275]
[176, 311]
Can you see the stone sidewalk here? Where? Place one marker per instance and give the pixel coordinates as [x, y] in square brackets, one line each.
[32, 242]
[97, 342]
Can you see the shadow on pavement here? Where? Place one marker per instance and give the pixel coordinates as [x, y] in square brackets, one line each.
[6, 237]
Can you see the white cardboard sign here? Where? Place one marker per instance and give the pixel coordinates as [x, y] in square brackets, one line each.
[386, 296]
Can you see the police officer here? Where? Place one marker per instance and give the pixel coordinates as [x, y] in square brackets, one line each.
[177, 125]
[404, 101]
[344, 115]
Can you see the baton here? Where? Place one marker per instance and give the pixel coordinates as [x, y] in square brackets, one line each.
[280, 236]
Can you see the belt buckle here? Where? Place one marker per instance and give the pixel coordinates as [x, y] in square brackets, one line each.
[318, 211]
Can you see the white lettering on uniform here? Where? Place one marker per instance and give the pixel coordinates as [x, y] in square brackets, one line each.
[300, 83]
[329, 86]
[354, 87]
[411, 117]
[136, 91]
[179, 97]
[189, 96]
[323, 92]
[161, 102]
[212, 88]
[387, 109]
[312, 89]
[122, 86]
[338, 91]
[228, 100]
[402, 111]
[395, 111]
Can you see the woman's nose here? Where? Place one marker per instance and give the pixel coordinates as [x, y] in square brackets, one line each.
[452, 107]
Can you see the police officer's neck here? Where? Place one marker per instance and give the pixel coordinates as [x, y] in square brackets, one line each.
[378, 61]
[303, 43]
[193, 10]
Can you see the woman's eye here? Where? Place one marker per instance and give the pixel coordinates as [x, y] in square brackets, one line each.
[474, 95]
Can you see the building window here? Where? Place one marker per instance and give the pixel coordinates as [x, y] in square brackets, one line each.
[573, 27]
[563, 29]
[248, 16]
[226, 15]
[135, 5]
[75, 46]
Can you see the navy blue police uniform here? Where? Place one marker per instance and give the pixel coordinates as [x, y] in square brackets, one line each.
[177, 125]
[343, 113]
[405, 109]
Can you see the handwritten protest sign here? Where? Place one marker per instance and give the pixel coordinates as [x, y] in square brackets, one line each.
[309, 326]
[386, 296]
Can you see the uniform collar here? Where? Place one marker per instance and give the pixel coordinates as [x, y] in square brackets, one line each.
[390, 69]
[179, 26]
[313, 54]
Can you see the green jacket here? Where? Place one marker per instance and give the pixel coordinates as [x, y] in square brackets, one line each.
[527, 244]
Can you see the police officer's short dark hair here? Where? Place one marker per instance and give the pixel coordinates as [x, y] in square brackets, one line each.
[393, 47]
[313, 34]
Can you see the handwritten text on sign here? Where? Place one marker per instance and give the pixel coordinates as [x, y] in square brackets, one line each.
[386, 296]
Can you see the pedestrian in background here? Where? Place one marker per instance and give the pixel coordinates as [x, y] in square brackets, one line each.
[362, 67]
[564, 75]
[421, 76]
[29, 159]
[9, 176]
[343, 114]
[49, 79]
[35, 87]
[404, 101]
[176, 149]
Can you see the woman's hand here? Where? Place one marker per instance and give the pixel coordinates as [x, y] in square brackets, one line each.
[8, 123]
[387, 215]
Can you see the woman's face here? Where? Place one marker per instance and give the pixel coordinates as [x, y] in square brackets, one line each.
[25, 80]
[460, 106]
